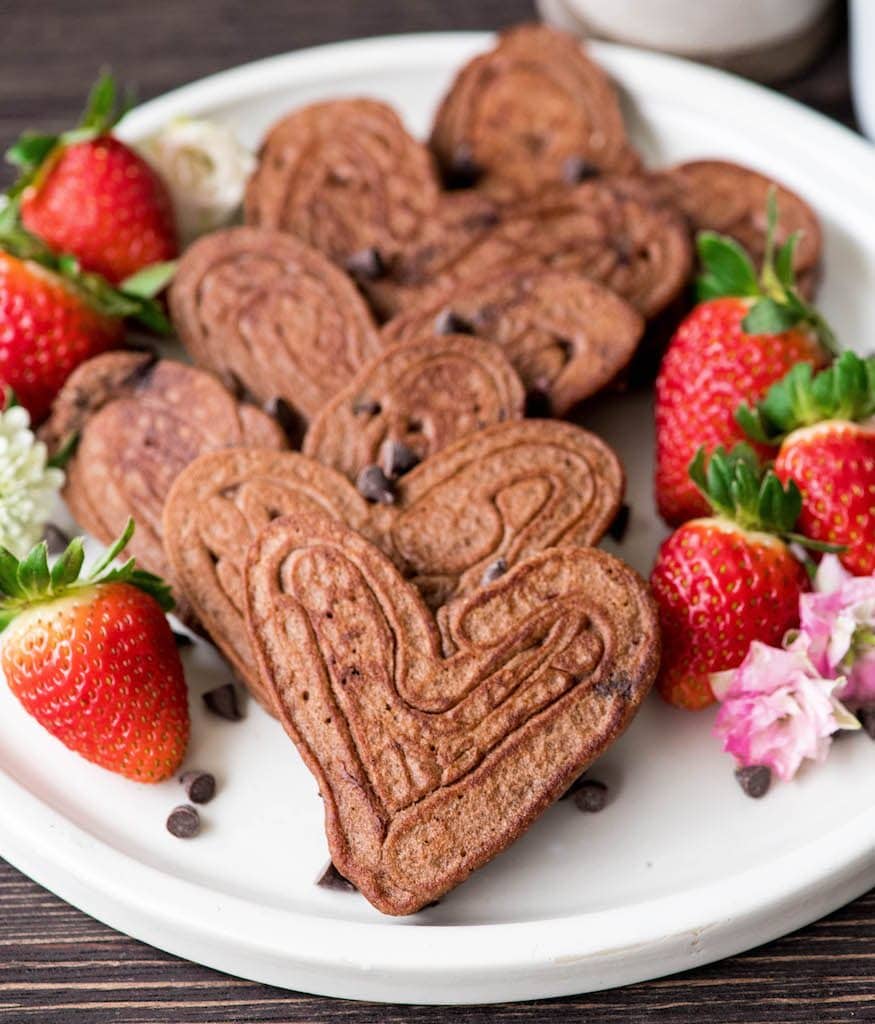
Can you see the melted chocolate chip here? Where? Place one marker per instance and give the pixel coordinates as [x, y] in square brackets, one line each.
[331, 878]
[200, 787]
[620, 524]
[366, 265]
[575, 170]
[590, 796]
[222, 701]
[495, 570]
[754, 780]
[184, 822]
[449, 322]
[397, 458]
[374, 485]
[462, 171]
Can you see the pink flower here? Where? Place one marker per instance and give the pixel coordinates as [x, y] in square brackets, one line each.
[837, 629]
[777, 710]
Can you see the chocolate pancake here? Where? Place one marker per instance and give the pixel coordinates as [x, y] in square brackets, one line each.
[565, 335]
[434, 752]
[139, 421]
[272, 316]
[491, 499]
[716, 195]
[417, 398]
[533, 111]
[636, 248]
[345, 177]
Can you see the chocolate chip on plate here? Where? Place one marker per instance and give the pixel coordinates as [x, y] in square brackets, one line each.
[866, 717]
[754, 779]
[331, 878]
[222, 701]
[374, 485]
[56, 539]
[182, 640]
[200, 787]
[590, 796]
[184, 822]
[397, 458]
[366, 265]
[493, 571]
[620, 523]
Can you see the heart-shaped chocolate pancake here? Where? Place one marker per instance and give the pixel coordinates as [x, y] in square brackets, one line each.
[565, 335]
[533, 111]
[434, 750]
[345, 177]
[485, 503]
[139, 421]
[413, 400]
[267, 313]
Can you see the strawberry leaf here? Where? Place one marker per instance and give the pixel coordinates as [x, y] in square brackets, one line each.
[102, 107]
[33, 571]
[8, 573]
[150, 281]
[728, 269]
[67, 568]
[30, 150]
[768, 316]
[785, 262]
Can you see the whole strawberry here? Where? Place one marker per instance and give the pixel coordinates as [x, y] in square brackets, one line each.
[86, 193]
[825, 426]
[53, 316]
[724, 581]
[93, 659]
[743, 336]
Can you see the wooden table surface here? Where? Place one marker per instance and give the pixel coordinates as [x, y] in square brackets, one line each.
[58, 966]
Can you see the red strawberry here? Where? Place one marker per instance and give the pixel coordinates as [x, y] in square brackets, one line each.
[53, 316]
[94, 659]
[730, 349]
[89, 194]
[727, 580]
[825, 425]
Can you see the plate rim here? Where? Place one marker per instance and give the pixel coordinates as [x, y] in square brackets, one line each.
[459, 963]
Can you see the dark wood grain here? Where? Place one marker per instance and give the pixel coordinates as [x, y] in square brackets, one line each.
[58, 966]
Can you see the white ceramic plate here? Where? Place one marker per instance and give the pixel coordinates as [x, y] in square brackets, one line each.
[680, 869]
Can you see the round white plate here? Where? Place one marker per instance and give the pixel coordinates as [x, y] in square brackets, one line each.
[680, 868]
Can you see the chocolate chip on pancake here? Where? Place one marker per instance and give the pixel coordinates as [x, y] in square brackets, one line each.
[503, 493]
[265, 311]
[345, 177]
[565, 335]
[534, 110]
[716, 195]
[435, 752]
[139, 422]
[430, 392]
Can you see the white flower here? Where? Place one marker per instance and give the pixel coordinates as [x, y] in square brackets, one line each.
[28, 487]
[205, 167]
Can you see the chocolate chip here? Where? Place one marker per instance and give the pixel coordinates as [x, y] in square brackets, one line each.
[462, 171]
[493, 571]
[449, 322]
[374, 485]
[222, 701]
[367, 406]
[754, 779]
[290, 421]
[56, 539]
[575, 170]
[200, 787]
[620, 523]
[366, 265]
[332, 879]
[397, 458]
[184, 822]
[866, 717]
[574, 787]
[182, 640]
[566, 347]
[538, 404]
[590, 796]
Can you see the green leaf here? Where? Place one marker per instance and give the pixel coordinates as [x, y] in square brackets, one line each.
[31, 150]
[751, 423]
[728, 269]
[65, 452]
[100, 108]
[67, 568]
[152, 316]
[150, 281]
[696, 469]
[785, 262]
[767, 316]
[114, 551]
[719, 482]
[33, 571]
[9, 573]
[815, 545]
